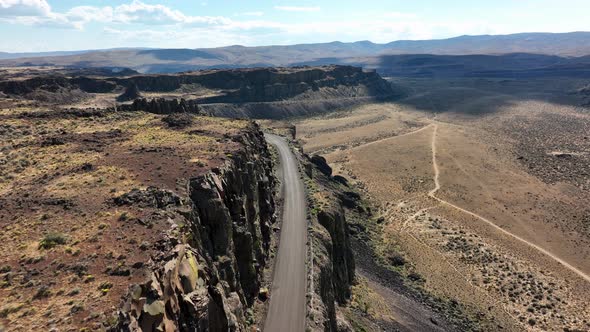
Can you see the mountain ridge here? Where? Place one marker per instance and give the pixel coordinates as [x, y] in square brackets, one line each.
[150, 60]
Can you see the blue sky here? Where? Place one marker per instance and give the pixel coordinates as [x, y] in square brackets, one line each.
[50, 25]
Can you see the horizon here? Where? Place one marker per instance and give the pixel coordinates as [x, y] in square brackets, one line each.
[272, 45]
[50, 26]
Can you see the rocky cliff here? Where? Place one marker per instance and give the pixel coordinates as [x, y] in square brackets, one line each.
[252, 93]
[237, 85]
[331, 258]
[132, 221]
[208, 269]
[276, 84]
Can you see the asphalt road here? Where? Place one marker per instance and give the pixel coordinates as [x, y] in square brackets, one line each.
[286, 312]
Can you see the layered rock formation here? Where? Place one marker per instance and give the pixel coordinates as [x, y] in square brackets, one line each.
[265, 85]
[208, 270]
[243, 93]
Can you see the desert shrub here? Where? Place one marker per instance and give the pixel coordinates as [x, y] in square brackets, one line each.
[42, 292]
[9, 309]
[124, 216]
[51, 240]
[397, 260]
[74, 292]
[105, 287]
[415, 277]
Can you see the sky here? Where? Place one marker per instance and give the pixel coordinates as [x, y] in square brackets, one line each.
[64, 25]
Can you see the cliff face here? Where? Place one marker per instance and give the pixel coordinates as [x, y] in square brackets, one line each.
[265, 85]
[208, 270]
[240, 85]
[253, 93]
[334, 220]
[333, 267]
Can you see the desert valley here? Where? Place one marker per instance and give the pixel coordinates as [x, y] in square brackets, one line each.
[414, 185]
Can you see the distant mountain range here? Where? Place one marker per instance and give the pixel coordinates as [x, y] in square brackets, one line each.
[553, 46]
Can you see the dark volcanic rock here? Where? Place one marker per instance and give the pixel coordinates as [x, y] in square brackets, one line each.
[342, 257]
[130, 93]
[150, 197]
[321, 164]
[93, 85]
[178, 120]
[208, 282]
[341, 179]
[349, 199]
[162, 106]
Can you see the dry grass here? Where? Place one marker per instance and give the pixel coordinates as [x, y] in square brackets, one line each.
[58, 177]
[460, 256]
[369, 302]
[355, 127]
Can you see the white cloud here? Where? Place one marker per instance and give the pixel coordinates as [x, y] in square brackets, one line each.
[89, 13]
[298, 9]
[39, 13]
[139, 12]
[129, 24]
[23, 8]
[169, 38]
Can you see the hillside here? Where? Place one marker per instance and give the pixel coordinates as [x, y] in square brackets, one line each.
[176, 60]
[514, 65]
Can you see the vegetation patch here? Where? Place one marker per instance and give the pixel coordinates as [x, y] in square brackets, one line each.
[52, 239]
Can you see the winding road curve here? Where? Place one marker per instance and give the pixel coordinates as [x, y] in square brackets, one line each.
[487, 221]
[287, 301]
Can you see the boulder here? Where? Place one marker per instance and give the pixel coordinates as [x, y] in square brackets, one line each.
[263, 294]
[321, 164]
[150, 197]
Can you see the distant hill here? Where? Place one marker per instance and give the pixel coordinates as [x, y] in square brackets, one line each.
[7, 55]
[574, 44]
[562, 44]
[513, 65]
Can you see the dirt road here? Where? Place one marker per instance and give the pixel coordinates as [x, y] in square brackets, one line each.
[487, 221]
[287, 300]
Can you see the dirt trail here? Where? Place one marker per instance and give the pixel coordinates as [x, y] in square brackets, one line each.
[487, 221]
[393, 137]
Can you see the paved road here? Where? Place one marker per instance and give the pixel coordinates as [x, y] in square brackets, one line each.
[287, 295]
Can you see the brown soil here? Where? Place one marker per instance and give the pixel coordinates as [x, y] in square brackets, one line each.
[493, 227]
[69, 252]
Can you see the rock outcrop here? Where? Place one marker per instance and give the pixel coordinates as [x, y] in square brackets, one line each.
[334, 220]
[161, 106]
[333, 266]
[130, 93]
[276, 84]
[209, 267]
[321, 164]
[238, 93]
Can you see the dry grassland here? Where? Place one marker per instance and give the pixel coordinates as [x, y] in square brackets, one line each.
[503, 227]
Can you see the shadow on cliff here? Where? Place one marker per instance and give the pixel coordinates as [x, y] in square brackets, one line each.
[479, 84]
